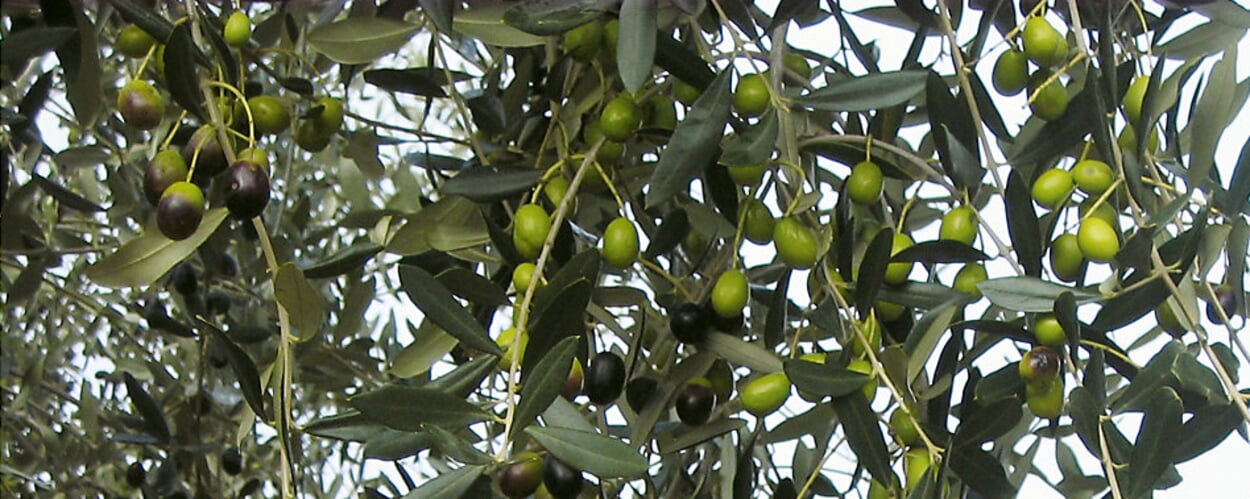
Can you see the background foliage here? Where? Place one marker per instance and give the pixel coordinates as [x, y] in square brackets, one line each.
[319, 371]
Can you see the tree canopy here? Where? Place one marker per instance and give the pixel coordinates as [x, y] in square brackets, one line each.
[687, 248]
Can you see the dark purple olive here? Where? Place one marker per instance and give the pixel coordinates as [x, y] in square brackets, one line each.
[695, 402]
[562, 481]
[605, 378]
[688, 323]
[247, 190]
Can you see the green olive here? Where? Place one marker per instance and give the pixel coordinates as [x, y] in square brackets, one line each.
[1051, 100]
[1045, 399]
[887, 311]
[685, 92]
[731, 293]
[959, 224]
[1098, 240]
[610, 152]
[1011, 72]
[238, 29]
[871, 328]
[1066, 258]
[132, 41]
[1134, 97]
[523, 276]
[583, 41]
[661, 112]
[269, 113]
[1049, 332]
[1093, 177]
[969, 277]
[330, 117]
[864, 367]
[795, 243]
[759, 224]
[620, 118]
[504, 341]
[896, 273]
[904, 430]
[556, 189]
[1091, 208]
[765, 394]
[620, 243]
[1044, 44]
[1127, 140]
[749, 176]
[530, 227]
[751, 97]
[1052, 188]
[1168, 320]
[916, 462]
[798, 65]
[864, 183]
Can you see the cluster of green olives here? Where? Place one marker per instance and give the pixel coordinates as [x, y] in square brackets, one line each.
[1045, 47]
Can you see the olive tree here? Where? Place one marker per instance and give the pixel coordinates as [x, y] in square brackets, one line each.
[433, 248]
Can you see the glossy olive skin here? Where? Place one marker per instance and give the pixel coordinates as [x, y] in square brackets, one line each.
[180, 210]
[132, 41]
[531, 225]
[583, 42]
[1048, 331]
[1134, 97]
[904, 430]
[1066, 259]
[763, 395]
[865, 182]
[185, 280]
[968, 277]
[269, 114]
[136, 475]
[1011, 72]
[1093, 177]
[1040, 364]
[140, 105]
[639, 391]
[1052, 99]
[620, 118]
[959, 224]
[166, 168]
[247, 189]
[751, 97]
[330, 117]
[1044, 44]
[760, 223]
[1227, 302]
[238, 29]
[1099, 241]
[689, 323]
[605, 378]
[522, 477]
[620, 243]
[896, 273]
[731, 293]
[685, 92]
[1045, 399]
[1052, 187]
[795, 243]
[562, 481]
[232, 461]
[211, 159]
[523, 276]
[695, 402]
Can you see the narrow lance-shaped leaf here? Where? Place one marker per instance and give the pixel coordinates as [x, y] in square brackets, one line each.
[148, 409]
[361, 40]
[146, 258]
[865, 93]
[542, 385]
[407, 408]
[863, 433]
[299, 299]
[605, 457]
[635, 48]
[823, 379]
[244, 370]
[693, 142]
[436, 301]
[1158, 437]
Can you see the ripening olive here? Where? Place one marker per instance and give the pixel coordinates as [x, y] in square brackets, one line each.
[1093, 177]
[759, 224]
[1045, 399]
[254, 155]
[721, 377]
[1040, 364]
[688, 322]
[573, 383]
[765, 394]
[133, 41]
[695, 401]
[620, 118]
[165, 168]
[896, 273]
[865, 182]
[583, 41]
[968, 277]
[1134, 97]
[959, 224]
[1227, 302]
[1106, 212]
[140, 105]
[1066, 258]
[136, 475]
[730, 294]
[204, 153]
[1011, 72]
[269, 114]
[1044, 44]
[1052, 187]
[232, 461]
[620, 243]
[871, 328]
[795, 243]
[247, 189]
[185, 280]
[639, 391]
[562, 481]
[180, 210]
[1049, 332]
[238, 29]
[523, 476]
[1098, 240]
[530, 226]
[605, 378]
[751, 97]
